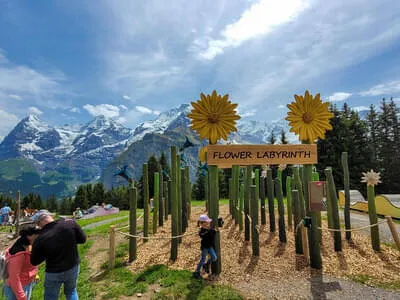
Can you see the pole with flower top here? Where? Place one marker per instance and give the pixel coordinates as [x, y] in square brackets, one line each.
[309, 118]
[372, 179]
[213, 117]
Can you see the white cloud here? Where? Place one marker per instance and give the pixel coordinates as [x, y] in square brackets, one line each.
[261, 18]
[34, 111]
[7, 121]
[339, 96]
[248, 113]
[387, 88]
[15, 97]
[360, 108]
[107, 110]
[156, 112]
[126, 97]
[143, 110]
[281, 106]
[75, 110]
[123, 107]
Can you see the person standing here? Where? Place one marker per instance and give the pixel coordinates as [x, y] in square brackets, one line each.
[57, 245]
[21, 273]
[5, 213]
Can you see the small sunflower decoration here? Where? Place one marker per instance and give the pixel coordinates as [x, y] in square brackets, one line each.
[202, 154]
[371, 178]
[309, 117]
[213, 117]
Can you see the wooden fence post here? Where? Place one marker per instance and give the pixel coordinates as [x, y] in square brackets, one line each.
[111, 251]
[146, 202]
[132, 223]
[394, 231]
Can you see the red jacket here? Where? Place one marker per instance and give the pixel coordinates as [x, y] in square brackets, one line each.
[20, 271]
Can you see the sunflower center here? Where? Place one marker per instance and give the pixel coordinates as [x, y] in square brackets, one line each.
[307, 118]
[213, 118]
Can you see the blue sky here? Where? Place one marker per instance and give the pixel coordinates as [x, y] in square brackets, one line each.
[67, 61]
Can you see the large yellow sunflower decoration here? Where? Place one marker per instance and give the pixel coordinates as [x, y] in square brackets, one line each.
[213, 117]
[309, 117]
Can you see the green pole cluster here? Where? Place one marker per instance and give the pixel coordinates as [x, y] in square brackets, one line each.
[132, 223]
[184, 201]
[241, 205]
[169, 210]
[161, 201]
[174, 204]
[255, 240]
[155, 201]
[213, 214]
[248, 183]
[207, 192]
[262, 197]
[146, 202]
[373, 219]
[281, 211]
[166, 199]
[346, 181]
[235, 192]
[334, 206]
[315, 177]
[271, 197]
[289, 200]
[297, 219]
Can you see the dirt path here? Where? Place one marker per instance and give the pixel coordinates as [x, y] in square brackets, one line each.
[97, 224]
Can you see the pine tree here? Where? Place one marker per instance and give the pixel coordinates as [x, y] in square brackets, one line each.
[198, 189]
[98, 193]
[80, 198]
[283, 137]
[372, 120]
[272, 138]
[164, 166]
[154, 167]
[52, 203]
[89, 195]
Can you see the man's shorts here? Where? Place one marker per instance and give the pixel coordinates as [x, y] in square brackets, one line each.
[4, 218]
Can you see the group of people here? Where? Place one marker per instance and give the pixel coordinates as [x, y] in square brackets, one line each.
[53, 242]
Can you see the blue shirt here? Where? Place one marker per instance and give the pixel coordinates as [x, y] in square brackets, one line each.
[5, 210]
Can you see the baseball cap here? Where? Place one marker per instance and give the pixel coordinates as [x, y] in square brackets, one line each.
[204, 218]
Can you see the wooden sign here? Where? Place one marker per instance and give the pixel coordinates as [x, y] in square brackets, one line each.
[317, 195]
[224, 156]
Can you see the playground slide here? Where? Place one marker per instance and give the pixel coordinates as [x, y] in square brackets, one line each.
[386, 205]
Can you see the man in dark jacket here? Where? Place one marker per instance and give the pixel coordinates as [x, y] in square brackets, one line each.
[57, 245]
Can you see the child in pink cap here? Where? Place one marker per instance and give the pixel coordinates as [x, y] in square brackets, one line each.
[207, 236]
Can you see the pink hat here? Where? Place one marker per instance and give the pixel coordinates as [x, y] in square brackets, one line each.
[204, 218]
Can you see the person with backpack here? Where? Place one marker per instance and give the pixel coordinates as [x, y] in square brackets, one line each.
[19, 274]
[57, 245]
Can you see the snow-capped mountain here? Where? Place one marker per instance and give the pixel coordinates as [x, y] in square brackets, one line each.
[84, 153]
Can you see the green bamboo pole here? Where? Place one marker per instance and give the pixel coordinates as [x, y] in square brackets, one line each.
[207, 192]
[161, 200]
[297, 220]
[213, 213]
[241, 205]
[230, 188]
[299, 187]
[289, 200]
[235, 192]
[271, 198]
[335, 211]
[257, 183]
[156, 201]
[279, 175]
[315, 177]
[281, 211]
[146, 202]
[169, 210]
[188, 189]
[255, 240]
[184, 223]
[132, 223]
[174, 203]
[373, 219]
[179, 194]
[247, 195]
[262, 197]
[346, 181]
[166, 200]
[313, 232]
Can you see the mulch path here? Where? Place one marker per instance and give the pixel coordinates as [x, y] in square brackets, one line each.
[278, 273]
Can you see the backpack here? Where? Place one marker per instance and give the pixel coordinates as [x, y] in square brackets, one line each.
[3, 267]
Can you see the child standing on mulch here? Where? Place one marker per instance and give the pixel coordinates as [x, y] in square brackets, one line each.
[207, 236]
